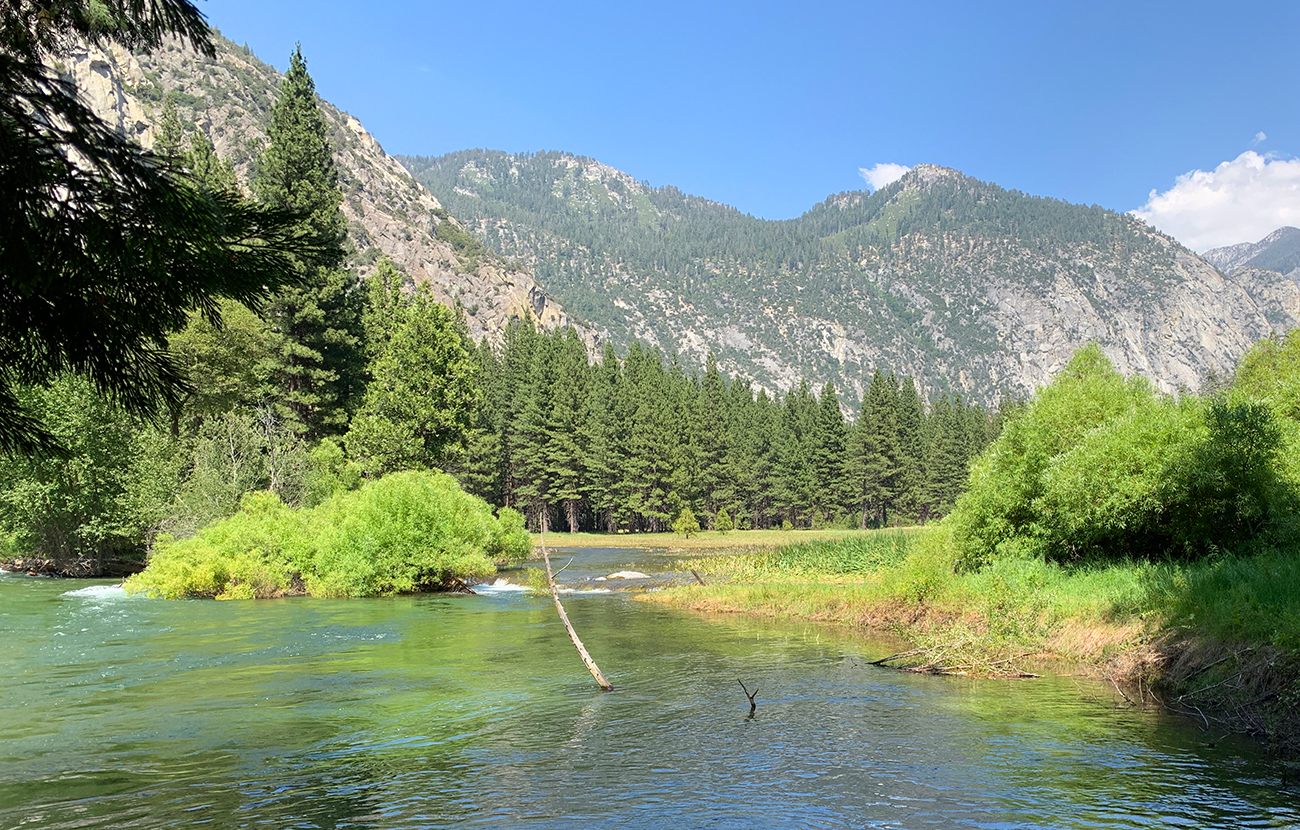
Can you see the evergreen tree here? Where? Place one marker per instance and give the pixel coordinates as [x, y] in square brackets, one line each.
[713, 440]
[912, 426]
[872, 467]
[170, 135]
[828, 453]
[318, 368]
[211, 172]
[418, 409]
[602, 449]
[946, 455]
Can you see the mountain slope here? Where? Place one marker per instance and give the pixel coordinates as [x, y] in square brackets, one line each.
[960, 283]
[1279, 251]
[388, 212]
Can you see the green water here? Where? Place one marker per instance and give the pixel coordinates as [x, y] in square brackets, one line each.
[446, 711]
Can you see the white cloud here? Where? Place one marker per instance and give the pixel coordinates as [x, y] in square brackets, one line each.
[1260, 138]
[882, 174]
[1242, 200]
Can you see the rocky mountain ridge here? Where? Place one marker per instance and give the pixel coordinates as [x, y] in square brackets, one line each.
[1279, 251]
[965, 285]
[388, 212]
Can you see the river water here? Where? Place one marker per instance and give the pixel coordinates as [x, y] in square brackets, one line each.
[451, 711]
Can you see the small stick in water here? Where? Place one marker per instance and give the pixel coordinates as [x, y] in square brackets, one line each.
[752, 704]
[698, 578]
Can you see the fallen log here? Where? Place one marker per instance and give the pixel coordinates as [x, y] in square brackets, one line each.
[568, 626]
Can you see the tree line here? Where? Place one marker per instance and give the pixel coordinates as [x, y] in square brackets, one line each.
[626, 444]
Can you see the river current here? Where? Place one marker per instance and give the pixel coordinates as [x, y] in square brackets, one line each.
[458, 711]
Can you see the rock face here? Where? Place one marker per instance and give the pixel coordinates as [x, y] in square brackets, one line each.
[388, 212]
[1279, 251]
[962, 284]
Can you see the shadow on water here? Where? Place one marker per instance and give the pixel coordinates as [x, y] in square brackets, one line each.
[445, 711]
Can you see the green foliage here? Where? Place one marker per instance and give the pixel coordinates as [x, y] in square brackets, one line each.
[104, 497]
[419, 406]
[405, 532]
[686, 524]
[1099, 466]
[316, 371]
[1270, 373]
[722, 523]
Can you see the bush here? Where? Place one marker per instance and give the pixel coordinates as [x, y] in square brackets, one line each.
[1099, 466]
[405, 532]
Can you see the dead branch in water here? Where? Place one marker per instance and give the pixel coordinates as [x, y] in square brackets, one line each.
[698, 578]
[932, 663]
[568, 626]
[752, 704]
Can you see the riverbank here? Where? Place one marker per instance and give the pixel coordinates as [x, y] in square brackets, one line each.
[704, 540]
[73, 568]
[1211, 640]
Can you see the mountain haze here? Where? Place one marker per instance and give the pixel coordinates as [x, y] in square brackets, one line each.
[960, 283]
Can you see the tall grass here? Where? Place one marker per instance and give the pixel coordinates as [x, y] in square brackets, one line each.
[856, 555]
[909, 582]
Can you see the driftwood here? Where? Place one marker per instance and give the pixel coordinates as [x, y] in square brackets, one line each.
[752, 704]
[568, 626]
[930, 661]
[698, 578]
[74, 568]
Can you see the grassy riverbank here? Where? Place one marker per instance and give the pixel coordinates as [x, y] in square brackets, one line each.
[704, 540]
[1215, 638]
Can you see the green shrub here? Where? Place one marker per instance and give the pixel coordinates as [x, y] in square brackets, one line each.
[1100, 466]
[405, 532]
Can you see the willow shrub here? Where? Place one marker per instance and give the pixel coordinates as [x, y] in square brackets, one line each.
[404, 532]
[1101, 467]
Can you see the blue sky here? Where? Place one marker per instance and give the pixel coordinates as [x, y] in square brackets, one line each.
[772, 107]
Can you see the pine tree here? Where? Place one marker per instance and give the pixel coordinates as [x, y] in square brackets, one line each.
[418, 410]
[563, 461]
[872, 466]
[910, 484]
[602, 451]
[170, 135]
[713, 439]
[828, 453]
[318, 371]
[946, 455]
[211, 172]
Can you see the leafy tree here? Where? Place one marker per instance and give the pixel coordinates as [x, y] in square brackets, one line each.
[103, 498]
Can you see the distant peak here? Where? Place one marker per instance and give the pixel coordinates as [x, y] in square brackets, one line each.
[928, 175]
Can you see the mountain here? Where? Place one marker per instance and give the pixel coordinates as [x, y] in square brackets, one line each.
[1279, 251]
[960, 283]
[388, 212]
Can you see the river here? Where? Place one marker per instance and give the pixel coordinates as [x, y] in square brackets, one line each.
[451, 711]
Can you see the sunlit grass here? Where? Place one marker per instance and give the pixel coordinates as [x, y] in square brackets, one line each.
[705, 540]
[907, 582]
